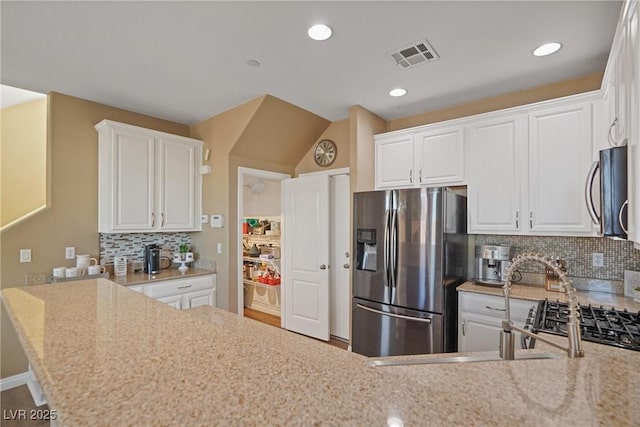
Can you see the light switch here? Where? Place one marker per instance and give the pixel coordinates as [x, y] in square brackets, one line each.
[25, 255]
[219, 248]
[70, 252]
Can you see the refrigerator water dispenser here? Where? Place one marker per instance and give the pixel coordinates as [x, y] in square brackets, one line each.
[366, 249]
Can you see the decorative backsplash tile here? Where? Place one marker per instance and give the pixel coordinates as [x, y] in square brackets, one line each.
[132, 245]
[619, 255]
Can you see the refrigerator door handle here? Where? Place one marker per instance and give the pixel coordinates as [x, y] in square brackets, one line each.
[394, 243]
[399, 316]
[387, 215]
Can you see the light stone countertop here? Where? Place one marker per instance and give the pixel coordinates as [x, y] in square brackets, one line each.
[536, 293]
[105, 355]
[142, 278]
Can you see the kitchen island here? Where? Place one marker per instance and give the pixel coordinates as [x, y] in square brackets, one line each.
[105, 355]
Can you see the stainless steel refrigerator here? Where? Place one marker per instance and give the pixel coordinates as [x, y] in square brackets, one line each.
[411, 249]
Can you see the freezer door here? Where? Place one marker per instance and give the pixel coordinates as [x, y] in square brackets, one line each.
[371, 216]
[383, 330]
[417, 243]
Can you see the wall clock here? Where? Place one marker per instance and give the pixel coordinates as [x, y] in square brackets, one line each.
[324, 153]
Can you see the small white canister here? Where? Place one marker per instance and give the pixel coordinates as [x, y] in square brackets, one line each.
[120, 265]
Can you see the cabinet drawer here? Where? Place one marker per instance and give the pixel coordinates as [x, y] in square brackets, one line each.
[179, 286]
[493, 306]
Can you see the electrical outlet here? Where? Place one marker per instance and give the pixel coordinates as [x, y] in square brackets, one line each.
[219, 248]
[25, 255]
[204, 219]
[70, 252]
[631, 281]
[598, 259]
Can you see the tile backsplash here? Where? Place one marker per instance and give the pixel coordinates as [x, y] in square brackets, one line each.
[132, 245]
[619, 255]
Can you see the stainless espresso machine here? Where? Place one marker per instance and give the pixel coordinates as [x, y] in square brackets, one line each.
[491, 263]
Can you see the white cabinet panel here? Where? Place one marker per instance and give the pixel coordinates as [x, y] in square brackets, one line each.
[148, 180]
[183, 294]
[394, 161]
[426, 155]
[560, 144]
[528, 171]
[495, 168]
[440, 156]
[179, 184]
[480, 320]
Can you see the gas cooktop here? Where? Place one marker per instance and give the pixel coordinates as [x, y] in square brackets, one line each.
[619, 328]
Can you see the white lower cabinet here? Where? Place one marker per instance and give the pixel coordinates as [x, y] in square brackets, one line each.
[480, 320]
[182, 294]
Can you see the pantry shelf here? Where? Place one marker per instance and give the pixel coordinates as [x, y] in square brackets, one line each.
[262, 285]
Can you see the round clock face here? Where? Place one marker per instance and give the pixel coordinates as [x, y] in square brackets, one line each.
[325, 152]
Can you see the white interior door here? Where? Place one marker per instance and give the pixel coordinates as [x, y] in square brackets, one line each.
[340, 244]
[305, 260]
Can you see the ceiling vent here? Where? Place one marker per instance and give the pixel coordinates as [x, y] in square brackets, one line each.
[414, 54]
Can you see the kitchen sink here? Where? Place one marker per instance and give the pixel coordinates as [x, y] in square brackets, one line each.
[453, 359]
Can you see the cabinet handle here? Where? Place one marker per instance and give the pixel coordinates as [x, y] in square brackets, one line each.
[495, 309]
[162, 221]
[420, 175]
[517, 219]
[612, 142]
[411, 176]
[184, 287]
[464, 327]
[530, 219]
[153, 219]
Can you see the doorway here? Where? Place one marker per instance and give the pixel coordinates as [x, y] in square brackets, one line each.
[259, 216]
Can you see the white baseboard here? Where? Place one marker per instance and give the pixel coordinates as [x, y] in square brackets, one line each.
[14, 381]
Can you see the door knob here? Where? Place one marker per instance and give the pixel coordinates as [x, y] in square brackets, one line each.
[323, 266]
[346, 266]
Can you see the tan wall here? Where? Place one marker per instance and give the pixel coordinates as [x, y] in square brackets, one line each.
[23, 153]
[338, 132]
[529, 96]
[72, 219]
[363, 125]
[219, 134]
[266, 133]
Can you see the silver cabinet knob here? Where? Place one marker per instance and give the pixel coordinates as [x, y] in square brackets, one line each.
[323, 266]
[346, 265]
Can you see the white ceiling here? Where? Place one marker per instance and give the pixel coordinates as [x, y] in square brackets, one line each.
[186, 61]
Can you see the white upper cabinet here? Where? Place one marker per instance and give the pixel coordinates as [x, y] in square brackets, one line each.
[560, 153]
[496, 150]
[148, 180]
[622, 92]
[527, 170]
[439, 155]
[394, 161]
[422, 156]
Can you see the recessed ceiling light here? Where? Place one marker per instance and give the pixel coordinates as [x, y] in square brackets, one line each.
[398, 92]
[319, 32]
[253, 63]
[547, 49]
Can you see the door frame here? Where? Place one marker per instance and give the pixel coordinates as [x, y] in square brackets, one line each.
[254, 173]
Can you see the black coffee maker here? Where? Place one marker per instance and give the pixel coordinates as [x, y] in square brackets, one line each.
[152, 259]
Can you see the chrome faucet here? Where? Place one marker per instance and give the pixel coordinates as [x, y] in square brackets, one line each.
[507, 343]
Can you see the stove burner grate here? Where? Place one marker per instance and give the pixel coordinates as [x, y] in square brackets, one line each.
[619, 328]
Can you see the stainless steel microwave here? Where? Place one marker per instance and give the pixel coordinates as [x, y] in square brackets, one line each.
[613, 192]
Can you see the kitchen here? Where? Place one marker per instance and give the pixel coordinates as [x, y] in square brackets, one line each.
[79, 229]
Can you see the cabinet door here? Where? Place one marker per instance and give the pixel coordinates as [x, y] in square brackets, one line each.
[479, 333]
[633, 213]
[496, 169]
[394, 162]
[174, 301]
[178, 186]
[197, 299]
[132, 182]
[440, 156]
[560, 144]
